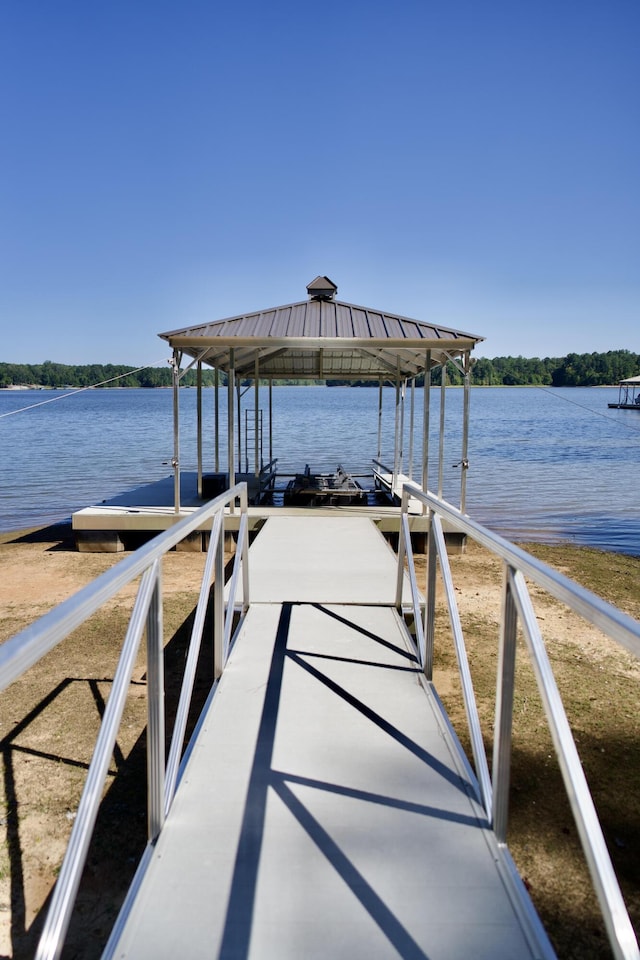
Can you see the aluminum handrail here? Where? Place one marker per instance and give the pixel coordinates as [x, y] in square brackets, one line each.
[517, 607]
[31, 644]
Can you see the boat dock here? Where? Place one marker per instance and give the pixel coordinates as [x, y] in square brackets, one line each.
[148, 510]
[326, 808]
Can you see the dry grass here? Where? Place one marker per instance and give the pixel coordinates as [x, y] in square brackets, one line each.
[49, 720]
[599, 683]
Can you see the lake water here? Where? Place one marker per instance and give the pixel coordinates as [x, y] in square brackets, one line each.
[545, 464]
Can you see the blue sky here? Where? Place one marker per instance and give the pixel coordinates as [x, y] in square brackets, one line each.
[474, 164]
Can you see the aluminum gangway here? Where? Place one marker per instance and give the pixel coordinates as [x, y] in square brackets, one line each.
[324, 805]
[326, 808]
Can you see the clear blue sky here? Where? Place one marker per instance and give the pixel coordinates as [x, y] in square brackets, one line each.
[474, 163]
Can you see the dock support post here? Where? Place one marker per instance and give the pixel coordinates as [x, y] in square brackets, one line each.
[425, 421]
[411, 418]
[270, 420]
[231, 382]
[216, 403]
[176, 431]
[256, 420]
[464, 462]
[380, 385]
[199, 424]
[239, 400]
[443, 394]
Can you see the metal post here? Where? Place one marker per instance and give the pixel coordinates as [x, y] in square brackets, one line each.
[176, 431]
[270, 420]
[411, 415]
[239, 396]
[218, 602]
[199, 424]
[425, 421]
[155, 711]
[217, 420]
[396, 440]
[464, 465]
[403, 397]
[430, 601]
[504, 710]
[231, 383]
[443, 393]
[380, 388]
[256, 414]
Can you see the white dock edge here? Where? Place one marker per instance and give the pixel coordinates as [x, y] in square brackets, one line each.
[386, 481]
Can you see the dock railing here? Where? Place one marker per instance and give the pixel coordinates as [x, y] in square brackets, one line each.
[517, 609]
[31, 644]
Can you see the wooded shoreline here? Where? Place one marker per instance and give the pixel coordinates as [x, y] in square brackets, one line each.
[574, 370]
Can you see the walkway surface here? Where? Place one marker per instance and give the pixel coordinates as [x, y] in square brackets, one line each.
[326, 809]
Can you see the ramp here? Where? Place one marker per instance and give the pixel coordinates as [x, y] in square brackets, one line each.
[323, 559]
[325, 810]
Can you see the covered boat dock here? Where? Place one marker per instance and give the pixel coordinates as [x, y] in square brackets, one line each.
[628, 395]
[319, 338]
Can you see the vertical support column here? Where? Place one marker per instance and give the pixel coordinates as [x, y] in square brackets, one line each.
[199, 424]
[396, 440]
[155, 711]
[403, 397]
[380, 388]
[425, 421]
[443, 394]
[270, 420]
[501, 766]
[176, 431]
[231, 452]
[411, 417]
[239, 400]
[216, 402]
[464, 465]
[256, 421]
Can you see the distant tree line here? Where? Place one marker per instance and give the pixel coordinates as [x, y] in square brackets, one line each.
[574, 370]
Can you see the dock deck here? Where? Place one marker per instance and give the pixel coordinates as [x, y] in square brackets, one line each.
[326, 808]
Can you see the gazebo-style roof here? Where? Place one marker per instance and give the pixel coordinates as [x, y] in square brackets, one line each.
[322, 338]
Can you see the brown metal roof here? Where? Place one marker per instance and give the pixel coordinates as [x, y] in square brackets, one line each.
[324, 339]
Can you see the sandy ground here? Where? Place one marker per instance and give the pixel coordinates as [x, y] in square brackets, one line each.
[47, 739]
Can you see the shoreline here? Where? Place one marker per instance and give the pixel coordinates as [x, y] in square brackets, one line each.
[39, 567]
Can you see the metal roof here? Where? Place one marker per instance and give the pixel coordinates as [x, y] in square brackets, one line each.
[324, 339]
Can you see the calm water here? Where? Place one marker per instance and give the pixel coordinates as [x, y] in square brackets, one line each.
[544, 464]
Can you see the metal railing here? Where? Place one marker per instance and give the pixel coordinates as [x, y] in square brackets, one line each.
[517, 609]
[30, 645]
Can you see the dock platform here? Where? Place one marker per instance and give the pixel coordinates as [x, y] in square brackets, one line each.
[148, 510]
[326, 808]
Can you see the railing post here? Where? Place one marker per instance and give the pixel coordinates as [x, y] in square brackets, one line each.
[245, 549]
[218, 606]
[430, 599]
[402, 550]
[501, 768]
[155, 710]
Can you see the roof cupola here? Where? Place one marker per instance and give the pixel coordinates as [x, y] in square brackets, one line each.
[322, 289]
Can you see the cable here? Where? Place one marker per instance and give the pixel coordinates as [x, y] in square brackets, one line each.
[63, 396]
[606, 416]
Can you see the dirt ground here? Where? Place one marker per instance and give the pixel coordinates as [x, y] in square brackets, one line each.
[50, 718]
